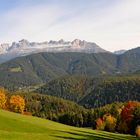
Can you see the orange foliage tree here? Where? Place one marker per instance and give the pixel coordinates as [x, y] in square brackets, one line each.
[127, 111]
[127, 116]
[99, 124]
[108, 123]
[17, 103]
[2, 98]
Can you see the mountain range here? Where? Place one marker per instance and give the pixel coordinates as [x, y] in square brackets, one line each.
[24, 47]
[30, 63]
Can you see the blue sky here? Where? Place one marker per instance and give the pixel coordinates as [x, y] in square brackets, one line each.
[112, 24]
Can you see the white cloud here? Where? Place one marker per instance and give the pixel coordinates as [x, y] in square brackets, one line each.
[112, 27]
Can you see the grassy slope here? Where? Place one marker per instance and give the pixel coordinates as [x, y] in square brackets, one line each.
[19, 127]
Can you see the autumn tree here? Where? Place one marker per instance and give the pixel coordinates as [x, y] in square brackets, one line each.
[100, 124]
[137, 131]
[110, 122]
[17, 103]
[127, 111]
[2, 98]
[127, 117]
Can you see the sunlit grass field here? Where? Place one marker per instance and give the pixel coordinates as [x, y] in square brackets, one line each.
[20, 127]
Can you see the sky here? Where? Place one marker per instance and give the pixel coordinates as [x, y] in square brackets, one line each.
[112, 24]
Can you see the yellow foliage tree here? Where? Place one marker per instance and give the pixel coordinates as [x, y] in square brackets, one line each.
[17, 103]
[137, 131]
[2, 98]
[110, 122]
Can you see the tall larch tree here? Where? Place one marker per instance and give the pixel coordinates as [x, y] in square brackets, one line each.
[17, 103]
[2, 98]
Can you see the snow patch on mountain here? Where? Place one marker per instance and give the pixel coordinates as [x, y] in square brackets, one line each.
[24, 47]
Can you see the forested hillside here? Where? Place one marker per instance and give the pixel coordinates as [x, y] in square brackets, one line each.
[43, 67]
[68, 87]
[94, 92]
[113, 89]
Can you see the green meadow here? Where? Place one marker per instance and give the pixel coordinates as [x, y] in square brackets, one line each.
[20, 127]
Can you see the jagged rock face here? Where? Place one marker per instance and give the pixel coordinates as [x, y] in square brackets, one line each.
[24, 47]
[77, 43]
[4, 48]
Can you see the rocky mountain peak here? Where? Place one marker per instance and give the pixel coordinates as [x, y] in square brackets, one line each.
[24, 47]
[77, 43]
[61, 41]
[24, 43]
[4, 47]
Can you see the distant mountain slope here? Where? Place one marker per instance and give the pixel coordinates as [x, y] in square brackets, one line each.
[25, 47]
[129, 61]
[43, 67]
[134, 50]
[30, 70]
